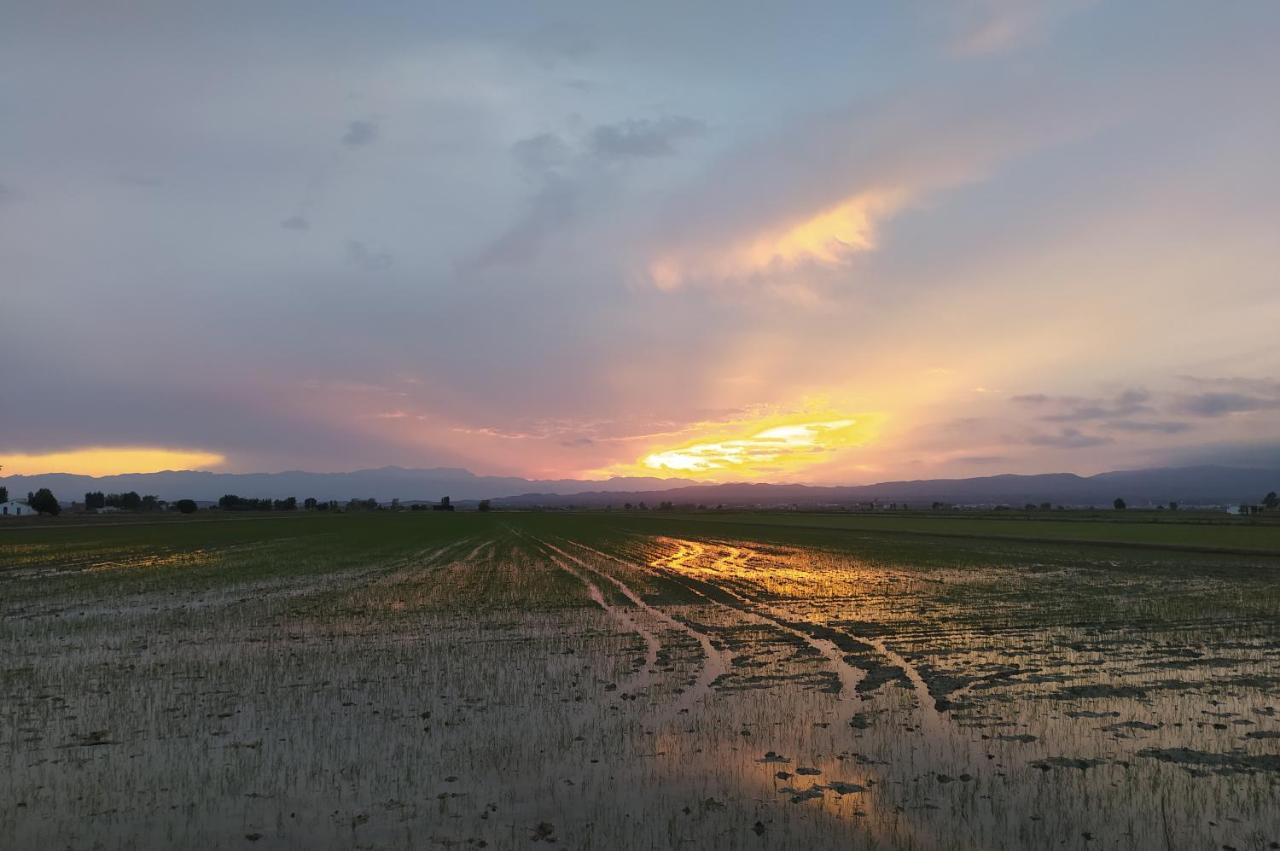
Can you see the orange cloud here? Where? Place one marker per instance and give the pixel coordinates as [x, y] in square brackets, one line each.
[828, 238]
[108, 461]
[772, 447]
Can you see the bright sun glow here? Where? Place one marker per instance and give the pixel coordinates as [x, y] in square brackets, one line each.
[829, 238]
[108, 461]
[771, 447]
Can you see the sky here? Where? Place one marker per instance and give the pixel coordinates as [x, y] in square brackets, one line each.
[807, 242]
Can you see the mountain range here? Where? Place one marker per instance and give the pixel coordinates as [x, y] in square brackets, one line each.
[1185, 485]
[1203, 485]
[383, 484]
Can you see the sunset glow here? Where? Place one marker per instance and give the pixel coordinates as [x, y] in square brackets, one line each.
[532, 255]
[769, 447]
[108, 461]
[828, 238]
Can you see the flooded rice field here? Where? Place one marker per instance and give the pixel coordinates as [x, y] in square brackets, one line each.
[610, 681]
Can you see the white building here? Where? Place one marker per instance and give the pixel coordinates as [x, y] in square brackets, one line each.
[13, 508]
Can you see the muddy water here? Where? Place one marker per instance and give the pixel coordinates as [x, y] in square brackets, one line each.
[793, 698]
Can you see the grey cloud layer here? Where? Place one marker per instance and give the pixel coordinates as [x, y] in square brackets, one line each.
[195, 224]
[360, 133]
[643, 137]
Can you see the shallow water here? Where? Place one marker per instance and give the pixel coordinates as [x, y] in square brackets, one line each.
[641, 691]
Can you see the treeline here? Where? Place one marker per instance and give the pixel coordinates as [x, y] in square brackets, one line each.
[231, 502]
[44, 502]
[133, 501]
[130, 501]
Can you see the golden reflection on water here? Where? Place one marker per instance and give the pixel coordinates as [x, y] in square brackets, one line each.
[774, 571]
[149, 559]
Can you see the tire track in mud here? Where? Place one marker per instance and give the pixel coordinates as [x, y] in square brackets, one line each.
[740, 556]
[716, 662]
[415, 564]
[848, 675]
[653, 645]
[933, 722]
[834, 644]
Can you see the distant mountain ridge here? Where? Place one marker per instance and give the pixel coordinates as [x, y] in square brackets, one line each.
[1203, 485]
[383, 483]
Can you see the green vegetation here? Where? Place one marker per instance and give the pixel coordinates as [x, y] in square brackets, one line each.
[1185, 530]
[417, 679]
[44, 502]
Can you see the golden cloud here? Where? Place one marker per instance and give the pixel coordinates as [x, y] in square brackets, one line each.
[108, 461]
[828, 238]
[773, 446]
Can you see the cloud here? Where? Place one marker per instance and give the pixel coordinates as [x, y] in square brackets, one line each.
[1149, 427]
[798, 208]
[541, 153]
[360, 133]
[109, 460]
[983, 27]
[791, 442]
[296, 223]
[926, 202]
[552, 206]
[1216, 404]
[1077, 409]
[829, 238]
[757, 447]
[144, 181]
[642, 138]
[366, 259]
[566, 174]
[1068, 438]
[1261, 455]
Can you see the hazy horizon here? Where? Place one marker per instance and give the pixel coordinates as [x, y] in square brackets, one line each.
[463, 471]
[832, 243]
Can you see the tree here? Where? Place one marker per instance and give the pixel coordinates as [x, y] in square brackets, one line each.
[309, 503]
[1173, 506]
[95, 500]
[1271, 501]
[4, 494]
[483, 506]
[130, 501]
[44, 502]
[231, 502]
[186, 506]
[1119, 504]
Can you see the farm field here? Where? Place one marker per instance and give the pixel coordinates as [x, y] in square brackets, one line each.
[635, 680]
[1201, 532]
